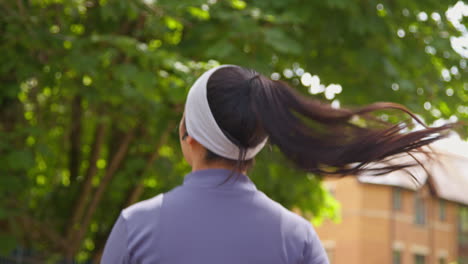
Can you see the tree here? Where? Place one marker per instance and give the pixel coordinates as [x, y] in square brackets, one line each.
[92, 92]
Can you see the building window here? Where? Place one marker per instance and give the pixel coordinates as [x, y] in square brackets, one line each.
[442, 210]
[419, 211]
[419, 259]
[396, 257]
[396, 199]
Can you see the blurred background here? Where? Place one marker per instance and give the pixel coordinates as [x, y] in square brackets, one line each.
[91, 92]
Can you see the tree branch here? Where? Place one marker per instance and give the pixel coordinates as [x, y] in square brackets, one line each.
[86, 187]
[34, 227]
[77, 237]
[139, 188]
[135, 193]
[75, 138]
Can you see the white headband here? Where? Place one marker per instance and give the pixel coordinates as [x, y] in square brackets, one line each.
[201, 124]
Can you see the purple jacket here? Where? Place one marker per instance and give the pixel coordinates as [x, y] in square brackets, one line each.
[204, 221]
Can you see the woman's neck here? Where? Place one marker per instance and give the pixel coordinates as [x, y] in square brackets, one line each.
[212, 165]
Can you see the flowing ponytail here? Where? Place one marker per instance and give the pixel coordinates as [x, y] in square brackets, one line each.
[313, 135]
[321, 139]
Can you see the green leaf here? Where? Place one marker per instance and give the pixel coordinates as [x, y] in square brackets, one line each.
[281, 42]
[238, 4]
[199, 13]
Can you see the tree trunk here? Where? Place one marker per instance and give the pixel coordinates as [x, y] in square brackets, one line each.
[78, 234]
[86, 187]
[75, 139]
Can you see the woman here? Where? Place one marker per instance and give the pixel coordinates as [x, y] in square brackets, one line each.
[217, 215]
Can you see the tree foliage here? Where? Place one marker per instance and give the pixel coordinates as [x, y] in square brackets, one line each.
[92, 91]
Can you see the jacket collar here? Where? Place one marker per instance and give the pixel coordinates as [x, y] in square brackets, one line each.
[218, 178]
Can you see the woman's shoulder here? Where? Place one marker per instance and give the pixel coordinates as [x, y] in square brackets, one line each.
[142, 219]
[146, 210]
[287, 216]
[296, 231]
[143, 208]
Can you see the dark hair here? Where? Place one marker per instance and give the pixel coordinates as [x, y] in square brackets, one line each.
[315, 136]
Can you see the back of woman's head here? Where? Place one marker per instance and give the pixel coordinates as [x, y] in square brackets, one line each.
[230, 93]
[248, 107]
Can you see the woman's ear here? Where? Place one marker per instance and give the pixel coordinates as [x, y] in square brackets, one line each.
[184, 136]
[190, 140]
[193, 143]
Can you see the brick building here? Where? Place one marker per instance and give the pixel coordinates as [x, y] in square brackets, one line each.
[392, 220]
